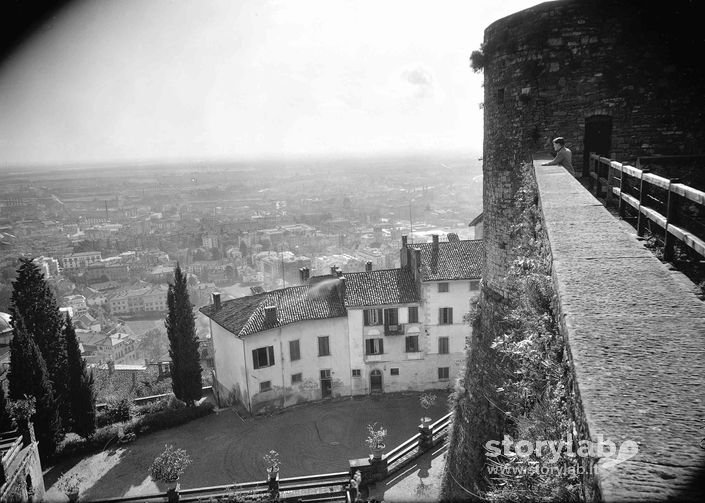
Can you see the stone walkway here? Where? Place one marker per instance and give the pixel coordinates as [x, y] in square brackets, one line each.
[636, 334]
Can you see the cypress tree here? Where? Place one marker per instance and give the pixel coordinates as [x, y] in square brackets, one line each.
[183, 343]
[28, 376]
[34, 302]
[81, 393]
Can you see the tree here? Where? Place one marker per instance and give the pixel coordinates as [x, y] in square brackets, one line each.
[28, 377]
[183, 343]
[80, 385]
[35, 304]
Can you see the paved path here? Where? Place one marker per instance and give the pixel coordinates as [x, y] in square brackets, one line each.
[312, 438]
[636, 334]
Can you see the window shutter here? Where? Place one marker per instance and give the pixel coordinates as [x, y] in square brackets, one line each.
[366, 316]
[255, 360]
[440, 315]
[270, 351]
[450, 315]
[381, 346]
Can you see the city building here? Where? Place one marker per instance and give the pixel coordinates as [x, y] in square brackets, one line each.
[349, 334]
[76, 261]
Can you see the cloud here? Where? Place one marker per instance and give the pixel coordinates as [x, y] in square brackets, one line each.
[421, 81]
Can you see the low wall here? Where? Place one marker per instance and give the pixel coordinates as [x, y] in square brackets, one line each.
[635, 336]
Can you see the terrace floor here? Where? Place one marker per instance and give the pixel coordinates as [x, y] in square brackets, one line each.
[225, 448]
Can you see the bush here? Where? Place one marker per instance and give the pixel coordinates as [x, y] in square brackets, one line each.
[117, 409]
[106, 436]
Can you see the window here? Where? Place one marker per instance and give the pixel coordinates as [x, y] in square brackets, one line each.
[323, 347]
[394, 371]
[443, 373]
[445, 316]
[356, 373]
[374, 346]
[443, 345]
[372, 317]
[474, 285]
[442, 287]
[294, 350]
[265, 386]
[263, 357]
[325, 374]
[413, 315]
[412, 343]
[391, 316]
[296, 378]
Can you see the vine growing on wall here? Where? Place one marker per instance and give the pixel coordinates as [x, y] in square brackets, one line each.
[535, 389]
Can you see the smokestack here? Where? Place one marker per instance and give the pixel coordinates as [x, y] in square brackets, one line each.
[216, 300]
[341, 289]
[270, 316]
[368, 266]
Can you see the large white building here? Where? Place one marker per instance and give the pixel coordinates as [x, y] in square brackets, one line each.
[349, 334]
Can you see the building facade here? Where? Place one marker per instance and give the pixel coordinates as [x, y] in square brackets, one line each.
[349, 334]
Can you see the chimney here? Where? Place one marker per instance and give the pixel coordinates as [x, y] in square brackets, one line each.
[341, 289]
[334, 270]
[216, 300]
[403, 241]
[270, 316]
[435, 243]
[339, 272]
[368, 266]
[307, 273]
[302, 275]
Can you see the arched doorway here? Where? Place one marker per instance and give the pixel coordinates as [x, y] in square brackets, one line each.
[376, 381]
[598, 139]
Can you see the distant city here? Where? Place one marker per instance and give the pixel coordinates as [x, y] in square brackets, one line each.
[108, 237]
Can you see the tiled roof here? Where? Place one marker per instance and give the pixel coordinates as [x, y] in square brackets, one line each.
[454, 260]
[245, 316]
[374, 288]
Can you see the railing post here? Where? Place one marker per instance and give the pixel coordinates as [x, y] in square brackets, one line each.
[620, 203]
[425, 437]
[641, 216]
[668, 240]
[608, 194]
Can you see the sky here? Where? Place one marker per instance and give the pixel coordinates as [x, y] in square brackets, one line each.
[180, 80]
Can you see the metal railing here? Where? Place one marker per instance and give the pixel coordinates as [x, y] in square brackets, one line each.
[678, 209]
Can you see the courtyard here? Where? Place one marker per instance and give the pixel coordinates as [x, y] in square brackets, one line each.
[226, 448]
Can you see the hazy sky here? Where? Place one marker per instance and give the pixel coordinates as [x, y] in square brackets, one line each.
[145, 80]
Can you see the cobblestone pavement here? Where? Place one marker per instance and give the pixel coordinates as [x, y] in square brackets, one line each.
[312, 438]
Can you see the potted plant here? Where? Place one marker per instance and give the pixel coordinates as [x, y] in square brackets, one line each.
[376, 439]
[70, 485]
[426, 400]
[168, 467]
[271, 459]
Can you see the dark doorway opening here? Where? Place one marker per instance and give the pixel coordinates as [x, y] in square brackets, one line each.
[598, 139]
[326, 384]
[376, 380]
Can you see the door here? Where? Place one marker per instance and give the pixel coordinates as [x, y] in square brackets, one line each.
[376, 380]
[598, 139]
[326, 384]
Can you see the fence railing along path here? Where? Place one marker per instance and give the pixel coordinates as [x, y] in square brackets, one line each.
[678, 209]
